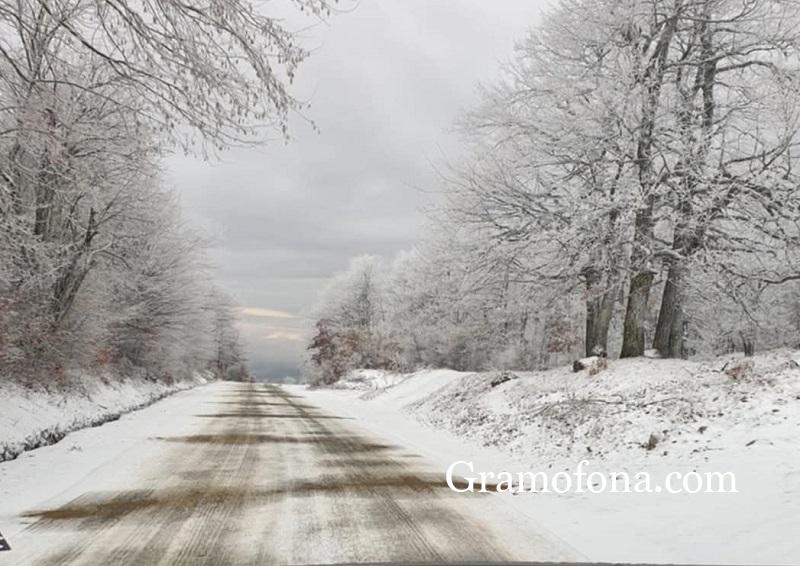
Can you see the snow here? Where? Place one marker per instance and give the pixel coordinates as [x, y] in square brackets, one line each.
[128, 455]
[34, 417]
[703, 418]
[89, 460]
[369, 380]
[518, 425]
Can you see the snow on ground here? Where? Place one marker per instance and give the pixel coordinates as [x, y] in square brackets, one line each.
[88, 460]
[34, 417]
[128, 457]
[658, 416]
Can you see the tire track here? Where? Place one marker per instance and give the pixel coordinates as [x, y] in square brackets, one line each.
[269, 479]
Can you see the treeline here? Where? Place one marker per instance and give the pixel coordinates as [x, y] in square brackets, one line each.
[630, 182]
[97, 269]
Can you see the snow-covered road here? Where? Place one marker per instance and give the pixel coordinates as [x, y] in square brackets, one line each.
[236, 473]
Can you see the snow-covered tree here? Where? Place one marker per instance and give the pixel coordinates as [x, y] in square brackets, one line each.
[637, 153]
[95, 263]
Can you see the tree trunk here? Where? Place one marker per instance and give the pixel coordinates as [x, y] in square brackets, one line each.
[748, 342]
[69, 283]
[45, 201]
[599, 308]
[689, 232]
[598, 321]
[669, 335]
[633, 336]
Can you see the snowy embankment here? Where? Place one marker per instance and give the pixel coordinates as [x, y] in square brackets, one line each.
[34, 417]
[657, 416]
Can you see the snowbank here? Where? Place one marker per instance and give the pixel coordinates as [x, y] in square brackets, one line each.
[30, 418]
[641, 408]
[725, 415]
[636, 409]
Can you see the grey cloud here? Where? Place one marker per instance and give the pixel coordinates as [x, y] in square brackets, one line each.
[385, 85]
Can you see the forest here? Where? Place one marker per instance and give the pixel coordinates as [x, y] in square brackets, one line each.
[628, 186]
[99, 272]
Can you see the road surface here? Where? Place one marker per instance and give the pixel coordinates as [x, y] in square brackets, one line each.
[256, 475]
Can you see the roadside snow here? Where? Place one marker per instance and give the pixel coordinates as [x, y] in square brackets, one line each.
[638, 409]
[30, 418]
[96, 459]
[650, 415]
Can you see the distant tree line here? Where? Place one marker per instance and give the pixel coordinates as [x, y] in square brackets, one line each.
[630, 183]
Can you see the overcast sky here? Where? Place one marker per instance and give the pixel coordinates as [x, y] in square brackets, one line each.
[386, 82]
